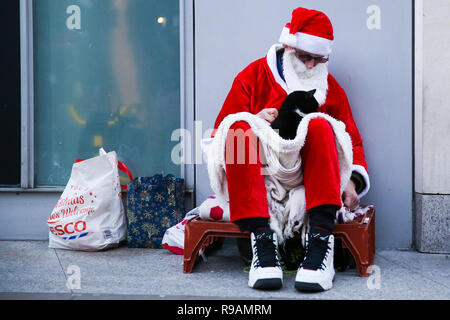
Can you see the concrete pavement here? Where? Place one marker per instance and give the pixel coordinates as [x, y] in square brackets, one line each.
[31, 270]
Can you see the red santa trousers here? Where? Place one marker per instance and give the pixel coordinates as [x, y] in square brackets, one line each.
[246, 187]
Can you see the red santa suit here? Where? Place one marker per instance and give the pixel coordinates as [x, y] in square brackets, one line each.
[260, 86]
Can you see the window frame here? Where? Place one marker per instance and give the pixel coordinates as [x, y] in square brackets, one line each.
[27, 170]
[27, 94]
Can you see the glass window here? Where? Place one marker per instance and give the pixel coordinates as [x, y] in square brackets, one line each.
[106, 75]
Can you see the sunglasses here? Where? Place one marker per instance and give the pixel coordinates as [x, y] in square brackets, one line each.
[306, 57]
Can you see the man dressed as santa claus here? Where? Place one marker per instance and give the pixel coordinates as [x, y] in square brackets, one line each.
[298, 62]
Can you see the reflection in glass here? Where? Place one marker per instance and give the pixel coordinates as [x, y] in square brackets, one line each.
[106, 75]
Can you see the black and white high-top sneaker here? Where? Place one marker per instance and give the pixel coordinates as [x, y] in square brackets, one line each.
[265, 271]
[316, 272]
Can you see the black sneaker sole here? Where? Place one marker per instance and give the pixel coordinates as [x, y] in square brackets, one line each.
[268, 284]
[308, 287]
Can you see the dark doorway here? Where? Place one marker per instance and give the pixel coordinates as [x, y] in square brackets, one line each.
[10, 93]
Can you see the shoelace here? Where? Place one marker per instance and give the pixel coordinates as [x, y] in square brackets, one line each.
[317, 250]
[266, 252]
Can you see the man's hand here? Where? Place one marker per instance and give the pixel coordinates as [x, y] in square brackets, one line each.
[269, 114]
[350, 197]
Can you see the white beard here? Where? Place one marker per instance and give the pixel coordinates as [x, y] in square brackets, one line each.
[299, 77]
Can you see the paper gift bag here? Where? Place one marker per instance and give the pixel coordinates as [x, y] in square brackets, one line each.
[154, 204]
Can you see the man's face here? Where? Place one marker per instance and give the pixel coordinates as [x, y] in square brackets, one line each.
[309, 59]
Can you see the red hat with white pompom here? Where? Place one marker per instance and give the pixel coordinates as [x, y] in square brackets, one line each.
[310, 31]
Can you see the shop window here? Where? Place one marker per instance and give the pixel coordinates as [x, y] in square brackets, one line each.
[106, 74]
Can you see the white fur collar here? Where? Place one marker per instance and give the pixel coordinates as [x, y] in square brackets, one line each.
[298, 77]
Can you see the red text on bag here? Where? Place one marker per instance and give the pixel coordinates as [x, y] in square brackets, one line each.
[68, 228]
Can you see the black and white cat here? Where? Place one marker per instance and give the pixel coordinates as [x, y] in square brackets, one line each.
[296, 105]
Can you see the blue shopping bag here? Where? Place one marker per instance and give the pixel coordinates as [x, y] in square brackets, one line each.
[154, 204]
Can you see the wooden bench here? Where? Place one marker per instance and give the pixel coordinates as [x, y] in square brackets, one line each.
[358, 236]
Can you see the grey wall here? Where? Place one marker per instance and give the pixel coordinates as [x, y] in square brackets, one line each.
[24, 215]
[432, 130]
[374, 66]
[435, 155]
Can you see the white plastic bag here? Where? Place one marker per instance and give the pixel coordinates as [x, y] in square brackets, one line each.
[89, 214]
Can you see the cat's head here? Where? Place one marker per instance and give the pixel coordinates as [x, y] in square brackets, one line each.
[303, 95]
[302, 100]
[310, 105]
[310, 94]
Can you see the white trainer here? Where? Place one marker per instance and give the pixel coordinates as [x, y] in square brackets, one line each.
[265, 271]
[316, 272]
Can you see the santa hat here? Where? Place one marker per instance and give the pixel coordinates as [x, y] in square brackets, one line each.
[310, 31]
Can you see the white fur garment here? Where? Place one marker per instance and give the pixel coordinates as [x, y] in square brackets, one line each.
[284, 181]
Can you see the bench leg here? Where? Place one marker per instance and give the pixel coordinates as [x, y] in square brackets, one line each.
[361, 263]
[193, 242]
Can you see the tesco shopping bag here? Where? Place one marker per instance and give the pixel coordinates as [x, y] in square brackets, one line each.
[90, 215]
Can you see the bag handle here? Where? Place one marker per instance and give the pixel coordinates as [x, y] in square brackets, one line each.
[122, 167]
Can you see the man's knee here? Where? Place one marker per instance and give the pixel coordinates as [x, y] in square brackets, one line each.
[241, 145]
[319, 126]
[243, 125]
[240, 132]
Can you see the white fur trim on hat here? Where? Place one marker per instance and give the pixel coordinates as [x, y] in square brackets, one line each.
[306, 42]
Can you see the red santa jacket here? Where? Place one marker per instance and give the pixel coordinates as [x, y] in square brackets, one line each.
[260, 86]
